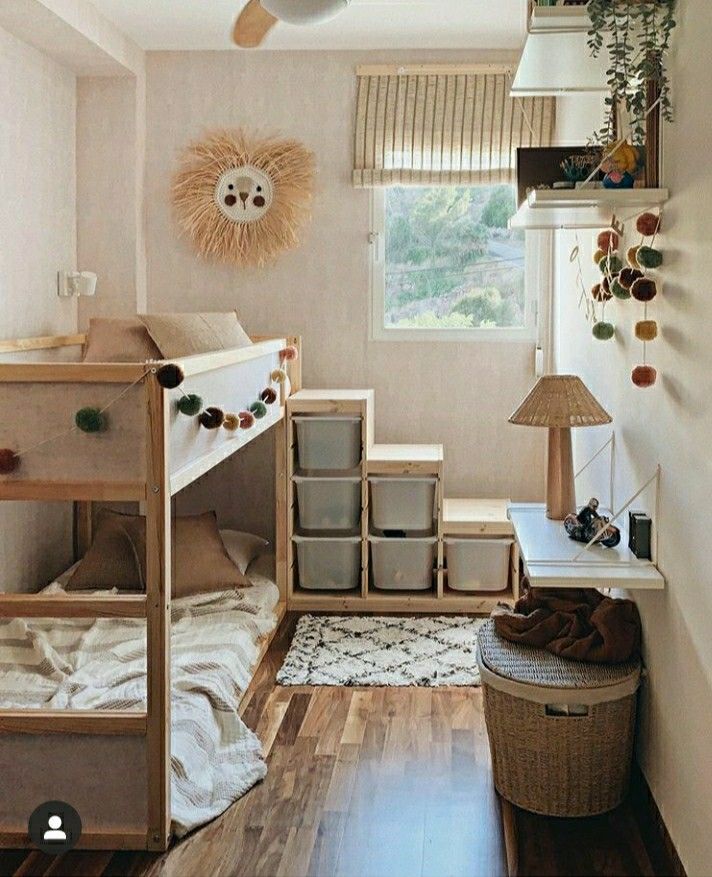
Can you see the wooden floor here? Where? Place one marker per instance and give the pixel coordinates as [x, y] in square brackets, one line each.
[373, 783]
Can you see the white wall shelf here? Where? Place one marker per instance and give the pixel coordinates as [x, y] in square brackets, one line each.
[583, 208]
[549, 556]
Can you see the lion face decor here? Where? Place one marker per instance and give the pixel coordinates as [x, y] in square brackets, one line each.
[243, 200]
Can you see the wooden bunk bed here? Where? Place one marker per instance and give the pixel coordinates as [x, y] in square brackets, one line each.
[150, 454]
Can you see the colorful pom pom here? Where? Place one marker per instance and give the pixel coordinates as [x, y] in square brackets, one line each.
[632, 257]
[90, 420]
[289, 354]
[247, 419]
[212, 417]
[190, 405]
[646, 330]
[231, 422]
[600, 292]
[268, 396]
[279, 376]
[644, 376]
[170, 376]
[628, 276]
[644, 289]
[9, 461]
[607, 240]
[603, 331]
[598, 255]
[610, 264]
[648, 224]
[618, 290]
[649, 257]
[259, 409]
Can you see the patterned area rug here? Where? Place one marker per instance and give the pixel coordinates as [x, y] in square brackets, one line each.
[382, 650]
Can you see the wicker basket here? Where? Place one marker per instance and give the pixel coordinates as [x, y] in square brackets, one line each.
[560, 732]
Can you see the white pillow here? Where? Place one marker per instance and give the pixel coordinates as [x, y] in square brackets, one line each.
[243, 548]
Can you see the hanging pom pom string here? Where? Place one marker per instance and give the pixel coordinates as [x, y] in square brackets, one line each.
[190, 404]
[170, 376]
[268, 396]
[247, 419]
[279, 376]
[231, 422]
[9, 461]
[90, 420]
[289, 354]
[258, 409]
[212, 417]
[97, 413]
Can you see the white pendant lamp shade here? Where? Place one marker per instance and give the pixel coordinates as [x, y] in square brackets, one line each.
[304, 11]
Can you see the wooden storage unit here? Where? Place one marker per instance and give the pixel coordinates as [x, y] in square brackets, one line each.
[485, 519]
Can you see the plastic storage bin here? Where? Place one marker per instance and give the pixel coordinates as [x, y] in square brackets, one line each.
[329, 563]
[477, 564]
[403, 503]
[402, 564]
[328, 442]
[328, 503]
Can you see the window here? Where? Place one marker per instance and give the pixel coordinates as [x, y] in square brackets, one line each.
[446, 266]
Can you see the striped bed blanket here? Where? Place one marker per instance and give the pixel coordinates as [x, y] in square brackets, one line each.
[101, 664]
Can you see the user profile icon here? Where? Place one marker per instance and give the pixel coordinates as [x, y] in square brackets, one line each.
[55, 827]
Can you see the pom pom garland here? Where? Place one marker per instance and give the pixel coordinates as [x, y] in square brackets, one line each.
[289, 354]
[610, 264]
[632, 257]
[231, 422]
[247, 419]
[644, 289]
[603, 331]
[598, 255]
[644, 376]
[268, 396]
[9, 461]
[279, 376]
[170, 376]
[646, 330]
[649, 257]
[190, 405]
[648, 224]
[600, 293]
[607, 240]
[212, 417]
[618, 290]
[628, 276]
[90, 420]
[259, 409]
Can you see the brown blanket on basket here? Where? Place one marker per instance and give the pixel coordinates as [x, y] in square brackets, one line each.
[579, 624]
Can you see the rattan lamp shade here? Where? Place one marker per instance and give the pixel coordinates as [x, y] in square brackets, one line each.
[560, 402]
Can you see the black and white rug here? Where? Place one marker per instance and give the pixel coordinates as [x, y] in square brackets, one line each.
[382, 650]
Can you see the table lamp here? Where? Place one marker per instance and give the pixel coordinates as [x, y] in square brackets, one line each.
[560, 402]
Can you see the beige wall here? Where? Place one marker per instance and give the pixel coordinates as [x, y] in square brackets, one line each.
[458, 394]
[671, 424]
[37, 219]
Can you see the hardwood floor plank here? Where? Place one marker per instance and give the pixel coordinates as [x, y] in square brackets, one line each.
[374, 782]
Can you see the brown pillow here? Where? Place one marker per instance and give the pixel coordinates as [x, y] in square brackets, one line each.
[186, 334]
[117, 556]
[119, 340]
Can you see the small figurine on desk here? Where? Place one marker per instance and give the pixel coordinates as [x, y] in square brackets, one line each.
[587, 523]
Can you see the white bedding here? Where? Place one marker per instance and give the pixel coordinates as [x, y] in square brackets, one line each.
[101, 664]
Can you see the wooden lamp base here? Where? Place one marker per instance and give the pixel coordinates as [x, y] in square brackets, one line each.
[560, 491]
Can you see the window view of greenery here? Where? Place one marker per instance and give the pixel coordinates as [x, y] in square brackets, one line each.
[451, 262]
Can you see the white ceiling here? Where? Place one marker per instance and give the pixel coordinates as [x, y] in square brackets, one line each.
[365, 24]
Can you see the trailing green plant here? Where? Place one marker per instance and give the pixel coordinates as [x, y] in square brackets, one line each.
[637, 36]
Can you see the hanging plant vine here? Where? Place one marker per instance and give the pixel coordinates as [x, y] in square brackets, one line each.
[637, 34]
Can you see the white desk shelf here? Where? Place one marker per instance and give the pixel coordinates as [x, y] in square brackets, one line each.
[548, 556]
[583, 208]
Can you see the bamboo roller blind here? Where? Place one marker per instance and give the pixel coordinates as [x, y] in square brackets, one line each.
[444, 129]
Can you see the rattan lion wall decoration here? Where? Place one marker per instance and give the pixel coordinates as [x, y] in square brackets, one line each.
[243, 199]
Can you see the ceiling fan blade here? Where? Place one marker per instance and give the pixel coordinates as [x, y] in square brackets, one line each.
[252, 25]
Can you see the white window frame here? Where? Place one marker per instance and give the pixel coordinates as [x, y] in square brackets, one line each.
[537, 278]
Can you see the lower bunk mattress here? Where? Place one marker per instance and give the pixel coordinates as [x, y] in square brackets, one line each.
[89, 664]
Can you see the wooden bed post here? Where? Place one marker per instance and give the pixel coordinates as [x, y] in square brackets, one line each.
[158, 616]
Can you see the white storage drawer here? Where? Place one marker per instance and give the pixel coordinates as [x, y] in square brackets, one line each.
[402, 564]
[328, 503]
[403, 503]
[329, 563]
[477, 564]
[328, 442]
